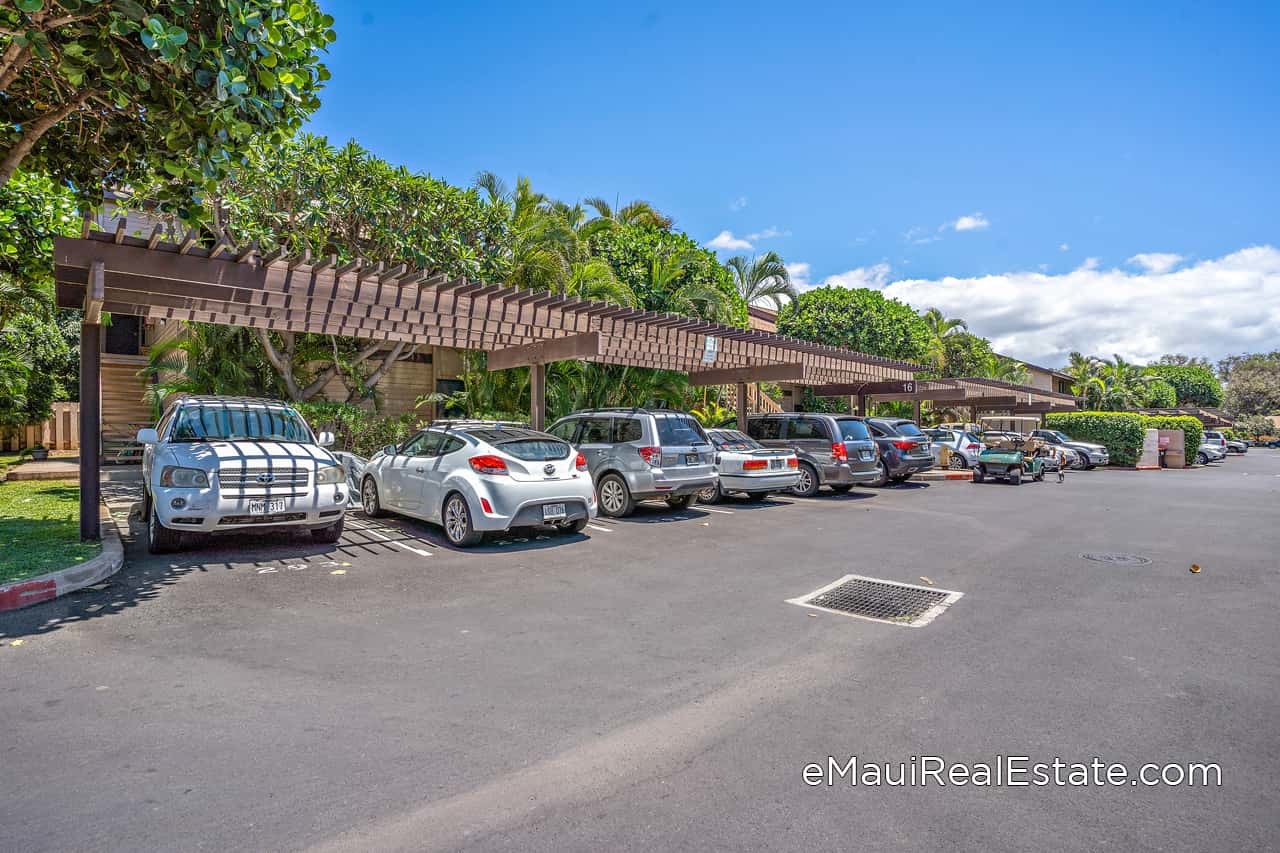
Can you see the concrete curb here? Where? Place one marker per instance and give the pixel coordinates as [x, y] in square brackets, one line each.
[25, 593]
[940, 476]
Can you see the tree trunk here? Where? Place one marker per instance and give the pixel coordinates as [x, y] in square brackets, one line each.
[33, 131]
[14, 60]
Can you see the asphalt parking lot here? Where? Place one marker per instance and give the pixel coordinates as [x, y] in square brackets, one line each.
[647, 686]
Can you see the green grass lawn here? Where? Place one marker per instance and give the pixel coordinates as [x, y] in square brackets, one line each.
[40, 528]
[8, 458]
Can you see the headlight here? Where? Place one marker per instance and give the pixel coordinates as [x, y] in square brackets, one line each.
[186, 478]
[327, 475]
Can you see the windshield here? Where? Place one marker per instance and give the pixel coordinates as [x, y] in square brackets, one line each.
[215, 422]
[1062, 436]
[851, 430]
[731, 439]
[679, 429]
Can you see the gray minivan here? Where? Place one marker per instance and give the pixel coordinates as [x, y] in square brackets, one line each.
[641, 454]
[834, 450]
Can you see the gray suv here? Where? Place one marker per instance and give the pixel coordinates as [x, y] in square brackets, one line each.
[834, 450]
[641, 454]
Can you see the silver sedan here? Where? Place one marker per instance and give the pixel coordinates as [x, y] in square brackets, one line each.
[749, 467]
[471, 477]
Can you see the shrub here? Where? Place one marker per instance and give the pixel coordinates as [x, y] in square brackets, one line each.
[1159, 394]
[1194, 384]
[1120, 432]
[1192, 429]
[357, 430]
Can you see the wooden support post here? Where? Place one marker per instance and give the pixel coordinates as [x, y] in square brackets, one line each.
[537, 395]
[742, 406]
[862, 405]
[90, 429]
[915, 411]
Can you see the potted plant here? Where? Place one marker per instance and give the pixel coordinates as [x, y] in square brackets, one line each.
[39, 453]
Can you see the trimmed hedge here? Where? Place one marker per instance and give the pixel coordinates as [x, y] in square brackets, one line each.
[1120, 432]
[1192, 429]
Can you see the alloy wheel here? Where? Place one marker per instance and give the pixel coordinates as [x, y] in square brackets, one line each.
[612, 496]
[369, 498]
[455, 519]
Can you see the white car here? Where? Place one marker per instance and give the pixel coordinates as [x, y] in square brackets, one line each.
[745, 465]
[230, 463]
[471, 477]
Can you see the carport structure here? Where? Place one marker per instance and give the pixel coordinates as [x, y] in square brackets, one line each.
[974, 393]
[241, 286]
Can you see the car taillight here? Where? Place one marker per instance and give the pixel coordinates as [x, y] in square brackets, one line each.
[793, 462]
[903, 444]
[972, 446]
[651, 455]
[488, 464]
[839, 452]
[755, 464]
[580, 463]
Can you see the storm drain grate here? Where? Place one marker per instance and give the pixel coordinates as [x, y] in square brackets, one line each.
[881, 601]
[1115, 559]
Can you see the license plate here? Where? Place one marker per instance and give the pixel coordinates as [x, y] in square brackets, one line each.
[269, 507]
[692, 459]
[550, 511]
[775, 463]
[867, 454]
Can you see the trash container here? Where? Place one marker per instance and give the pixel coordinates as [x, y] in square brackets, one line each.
[1173, 444]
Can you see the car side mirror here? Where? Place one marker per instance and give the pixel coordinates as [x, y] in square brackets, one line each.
[389, 450]
[325, 439]
[148, 436]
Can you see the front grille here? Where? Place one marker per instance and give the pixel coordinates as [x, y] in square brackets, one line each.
[249, 482]
[188, 520]
[882, 601]
[278, 518]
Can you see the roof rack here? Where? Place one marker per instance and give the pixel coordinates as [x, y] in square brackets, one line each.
[464, 423]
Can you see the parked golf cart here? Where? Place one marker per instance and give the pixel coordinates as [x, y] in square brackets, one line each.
[1007, 457]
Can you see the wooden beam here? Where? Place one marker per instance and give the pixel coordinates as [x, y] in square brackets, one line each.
[90, 427]
[556, 349]
[793, 372]
[95, 293]
[156, 234]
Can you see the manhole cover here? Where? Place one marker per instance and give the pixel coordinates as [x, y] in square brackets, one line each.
[881, 601]
[1115, 558]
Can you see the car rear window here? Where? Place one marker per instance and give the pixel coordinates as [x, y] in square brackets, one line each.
[679, 430]
[732, 440]
[908, 428]
[851, 430]
[534, 449]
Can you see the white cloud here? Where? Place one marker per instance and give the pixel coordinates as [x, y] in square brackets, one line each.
[769, 233]
[799, 273]
[726, 242]
[970, 222]
[920, 236]
[875, 276]
[738, 203]
[1156, 262]
[1063, 247]
[1212, 308]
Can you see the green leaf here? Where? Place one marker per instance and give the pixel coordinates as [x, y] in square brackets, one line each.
[130, 9]
[177, 36]
[30, 6]
[297, 11]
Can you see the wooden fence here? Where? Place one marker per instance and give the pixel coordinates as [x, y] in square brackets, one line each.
[60, 432]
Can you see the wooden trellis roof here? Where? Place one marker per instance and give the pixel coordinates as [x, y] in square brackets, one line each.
[964, 391]
[240, 286]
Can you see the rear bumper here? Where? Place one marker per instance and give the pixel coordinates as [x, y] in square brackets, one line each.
[520, 505]
[844, 475]
[659, 483]
[764, 482]
[906, 466]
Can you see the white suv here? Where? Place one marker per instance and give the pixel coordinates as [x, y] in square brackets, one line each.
[230, 463]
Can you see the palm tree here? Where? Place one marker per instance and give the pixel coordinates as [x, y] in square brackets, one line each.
[542, 243]
[1010, 370]
[635, 213]
[201, 359]
[22, 296]
[939, 328]
[761, 279]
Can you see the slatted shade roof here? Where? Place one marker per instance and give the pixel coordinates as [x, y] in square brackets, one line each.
[964, 391]
[238, 285]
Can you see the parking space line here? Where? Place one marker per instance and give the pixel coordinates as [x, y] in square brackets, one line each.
[387, 539]
[720, 511]
[601, 529]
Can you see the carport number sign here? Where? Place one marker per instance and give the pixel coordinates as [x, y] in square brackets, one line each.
[710, 346]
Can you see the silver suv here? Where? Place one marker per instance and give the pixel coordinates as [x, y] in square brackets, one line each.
[834, 450]
[641, 454]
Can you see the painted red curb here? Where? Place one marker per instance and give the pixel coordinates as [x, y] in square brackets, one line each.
[23, 593]
[31, 591]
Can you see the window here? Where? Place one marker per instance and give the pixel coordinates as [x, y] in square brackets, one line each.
[851, 430]
[564, 430]
[535, 449]
[731, 439]
[803, 428]
[415, 445]
[627, 429]
[679, 430]
[452, 444]
[222, 422]
[764, 429]
[123, 335]
[595, 431]
[877, 431]
[908, 428]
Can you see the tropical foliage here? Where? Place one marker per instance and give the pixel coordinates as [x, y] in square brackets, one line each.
[130, 88]
[861, 319]
[1120, 432]
[1195, 384]
[940, 329]
[761, 279]
[1254, 384]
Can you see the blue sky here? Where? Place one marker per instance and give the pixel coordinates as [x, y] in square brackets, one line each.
[1072, 140]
